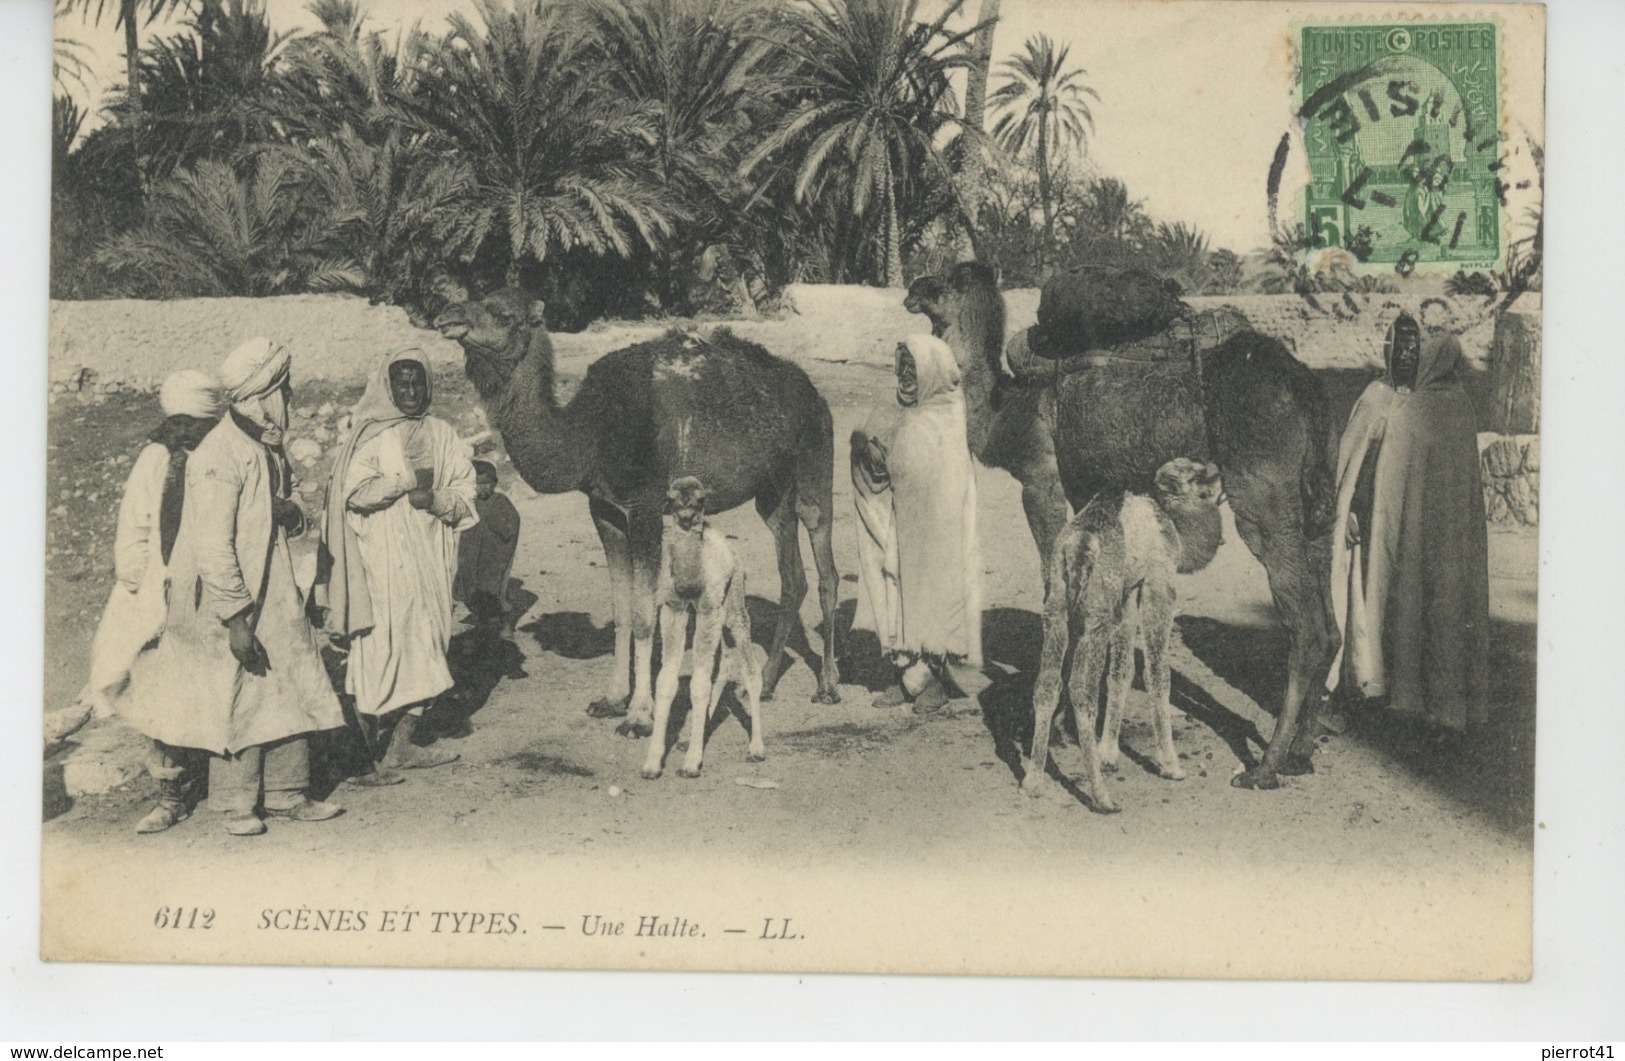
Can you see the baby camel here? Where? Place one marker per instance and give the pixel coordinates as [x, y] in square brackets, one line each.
[700, 571]
[1111, 582]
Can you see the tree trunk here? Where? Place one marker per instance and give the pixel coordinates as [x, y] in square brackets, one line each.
[894, 243]
[1515, 374]
[973, 177]
[1044, 193]
[132, 75]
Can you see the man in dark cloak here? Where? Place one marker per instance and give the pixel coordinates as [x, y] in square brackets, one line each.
[1410, 573]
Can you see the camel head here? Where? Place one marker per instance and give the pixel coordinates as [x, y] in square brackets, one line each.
[496, 334]
[965, 308]
[686, 501]
[1190, 492]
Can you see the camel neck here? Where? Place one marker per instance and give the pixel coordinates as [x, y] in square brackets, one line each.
[980, 381]
[546, 447]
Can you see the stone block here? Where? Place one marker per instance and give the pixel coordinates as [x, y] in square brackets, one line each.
[1502, 458]
[108, 754]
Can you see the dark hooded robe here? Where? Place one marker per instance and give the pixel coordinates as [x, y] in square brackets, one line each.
[1410, 580]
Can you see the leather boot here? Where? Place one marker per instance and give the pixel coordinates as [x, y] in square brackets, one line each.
[404, 755]
[170, 810]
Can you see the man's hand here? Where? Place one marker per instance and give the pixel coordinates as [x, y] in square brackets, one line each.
[288, 515]
[420, 498]
[246, 647]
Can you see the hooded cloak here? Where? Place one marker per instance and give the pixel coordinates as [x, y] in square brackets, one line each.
[388, 567]
[920, 562]
[1412, 597]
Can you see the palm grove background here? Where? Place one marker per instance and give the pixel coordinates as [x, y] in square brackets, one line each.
[621, 157]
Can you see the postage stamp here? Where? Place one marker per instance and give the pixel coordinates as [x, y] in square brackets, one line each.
[1404, 142]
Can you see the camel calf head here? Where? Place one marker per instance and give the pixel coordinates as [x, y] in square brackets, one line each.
[1190, 492]
[686, 499]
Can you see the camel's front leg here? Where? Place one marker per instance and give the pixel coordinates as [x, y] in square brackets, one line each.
[707, 637]
[1298, 576]
[673, 628]
[644, 545]
[611, 524]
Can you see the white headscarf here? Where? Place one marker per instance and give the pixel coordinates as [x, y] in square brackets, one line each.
[190, 392]
[252, 378]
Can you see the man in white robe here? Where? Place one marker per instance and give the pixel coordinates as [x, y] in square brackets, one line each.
[237, 672]
[402, 490]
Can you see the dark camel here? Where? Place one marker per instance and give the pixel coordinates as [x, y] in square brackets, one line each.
[749, 425]
[1250, 407]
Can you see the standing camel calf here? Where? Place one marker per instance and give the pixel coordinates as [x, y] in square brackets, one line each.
[1111, 583]
[699, 571]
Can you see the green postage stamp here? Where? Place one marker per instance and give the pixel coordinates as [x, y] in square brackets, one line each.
[1402, 130]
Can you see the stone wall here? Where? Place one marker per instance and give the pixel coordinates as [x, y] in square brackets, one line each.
[1510, 465]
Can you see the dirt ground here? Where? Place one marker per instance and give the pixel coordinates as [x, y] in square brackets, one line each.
[856, 783]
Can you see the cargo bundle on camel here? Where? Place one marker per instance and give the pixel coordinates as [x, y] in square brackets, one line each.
[1233, 397]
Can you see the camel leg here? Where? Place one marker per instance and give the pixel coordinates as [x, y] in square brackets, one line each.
[1119, 683]
[741, 665]
[673, 630]
[1085, 688]
[1299, 574]
[643, 541]
[749, 678]
[619, 561]
[1157, 623]
[1051, 671]
[707, 639]
[815, 515]
[1045, 505]
[778, 512]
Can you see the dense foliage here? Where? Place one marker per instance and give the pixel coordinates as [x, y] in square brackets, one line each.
[617, 156]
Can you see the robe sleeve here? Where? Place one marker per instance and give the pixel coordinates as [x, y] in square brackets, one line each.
[138, 516]
[869, 463]
[213, 488]
[453, 500]
[367, 486]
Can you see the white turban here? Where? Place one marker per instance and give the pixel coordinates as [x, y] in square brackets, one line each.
[190, 392]
[254, 370]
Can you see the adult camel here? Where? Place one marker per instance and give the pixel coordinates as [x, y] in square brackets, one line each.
[750, 426]
[1246, 404]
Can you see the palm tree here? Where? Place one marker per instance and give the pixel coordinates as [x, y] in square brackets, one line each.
[1044, 109]
[210, 231]
[385, 208]
[973, 174]
[1111, 213]
[348, 75]
[869, 92]
[127, 14]
[695, 69]
[551, 150]
[204, 93]
[67, 53]
[1182, 251]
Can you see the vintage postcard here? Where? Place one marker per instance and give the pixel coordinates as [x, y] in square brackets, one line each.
[878, 486]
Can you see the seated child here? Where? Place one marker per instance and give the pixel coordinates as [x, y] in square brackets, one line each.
[485, 553]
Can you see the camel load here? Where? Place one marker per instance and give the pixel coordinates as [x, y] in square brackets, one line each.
[1187, 338]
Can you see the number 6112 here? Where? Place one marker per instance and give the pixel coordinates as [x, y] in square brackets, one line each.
[183, 917]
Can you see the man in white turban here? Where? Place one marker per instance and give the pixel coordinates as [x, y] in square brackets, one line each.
[919, 558]
[149, 517]
[237, 672]
[402, 491]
